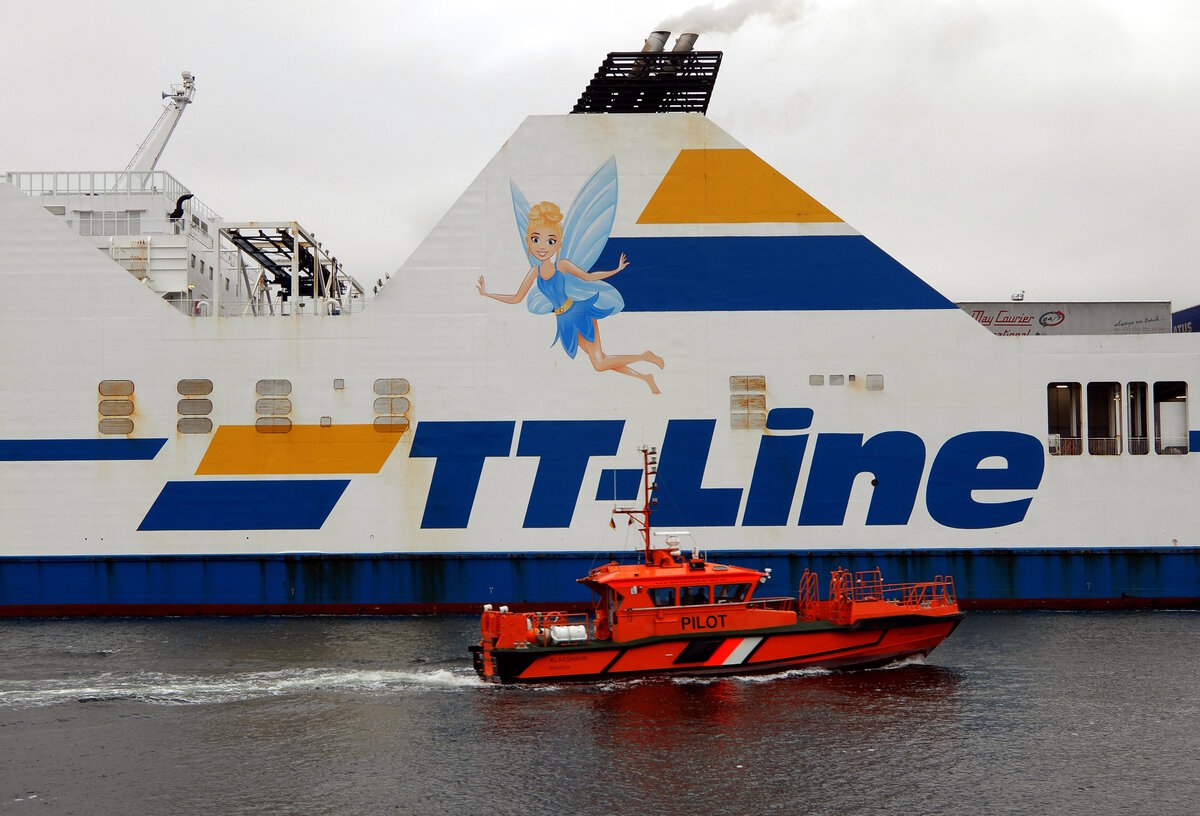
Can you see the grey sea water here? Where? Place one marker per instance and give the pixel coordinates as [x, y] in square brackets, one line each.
[1047, 713]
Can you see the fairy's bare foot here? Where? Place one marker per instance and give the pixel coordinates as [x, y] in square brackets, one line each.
[653, 385]
[651, 357]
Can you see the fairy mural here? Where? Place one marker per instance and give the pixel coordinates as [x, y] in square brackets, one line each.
[561, 251]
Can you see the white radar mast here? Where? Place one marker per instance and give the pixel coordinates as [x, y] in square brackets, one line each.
[152, 146]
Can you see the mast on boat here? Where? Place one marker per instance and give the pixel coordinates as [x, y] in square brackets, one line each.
[642, 514]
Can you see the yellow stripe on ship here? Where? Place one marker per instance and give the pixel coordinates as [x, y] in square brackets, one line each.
[729, 187]
[242, 451]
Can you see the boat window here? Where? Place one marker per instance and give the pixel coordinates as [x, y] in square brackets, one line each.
[693, 595]
[194, 425]
[395, 406]
[273, 424]
[1104, 418]
[1139, 431]
[1064, 411]
[273, 406]
[194, 388]
[391, 386]
[111, 222]
[1170, 418]
[731, 593]
[116, 388]
[391, 424]
[194, 406]
[615, 599]
[273, 388]
[661, 596]
[116, 425]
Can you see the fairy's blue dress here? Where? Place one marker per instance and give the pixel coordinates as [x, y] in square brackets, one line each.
[575, 318]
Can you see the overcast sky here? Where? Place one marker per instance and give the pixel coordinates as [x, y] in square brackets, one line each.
[990, 146]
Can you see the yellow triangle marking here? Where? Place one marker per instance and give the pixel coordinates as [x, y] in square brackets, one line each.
[729, 187]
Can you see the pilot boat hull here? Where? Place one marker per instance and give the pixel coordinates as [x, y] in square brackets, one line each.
[810, 644]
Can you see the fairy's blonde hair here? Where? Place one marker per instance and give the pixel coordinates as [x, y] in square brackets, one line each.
[546, 215]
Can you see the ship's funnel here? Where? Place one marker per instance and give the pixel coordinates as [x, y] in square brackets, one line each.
[657, 41]
[685, 42]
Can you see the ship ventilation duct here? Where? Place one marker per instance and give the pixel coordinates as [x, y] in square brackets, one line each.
[684, 42]
[177, 213]
[657, 41]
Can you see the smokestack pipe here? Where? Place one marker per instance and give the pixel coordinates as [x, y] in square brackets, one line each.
[684, 42]
[657, 41]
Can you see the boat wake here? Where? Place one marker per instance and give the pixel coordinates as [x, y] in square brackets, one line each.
[165, 689]
[751, 678]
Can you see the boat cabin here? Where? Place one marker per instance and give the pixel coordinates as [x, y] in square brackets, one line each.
[671, 594]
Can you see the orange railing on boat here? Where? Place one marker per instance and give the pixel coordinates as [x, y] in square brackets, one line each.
[851, 594]
[810, 596]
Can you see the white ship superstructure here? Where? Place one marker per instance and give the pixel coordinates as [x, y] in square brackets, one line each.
[251, 431]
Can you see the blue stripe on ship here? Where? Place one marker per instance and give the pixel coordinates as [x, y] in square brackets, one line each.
[393, 582]
[257, 504]
[764, 273]
[78, 450]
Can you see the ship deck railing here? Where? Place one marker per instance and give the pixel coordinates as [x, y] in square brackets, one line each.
[78, 183]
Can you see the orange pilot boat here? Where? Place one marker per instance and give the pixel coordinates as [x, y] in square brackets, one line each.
[677, 614]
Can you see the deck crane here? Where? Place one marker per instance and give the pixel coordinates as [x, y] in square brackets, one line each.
[152, 146]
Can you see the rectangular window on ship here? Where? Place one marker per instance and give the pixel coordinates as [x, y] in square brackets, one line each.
[1064, 412]
[1104, 418]
[1139, 425]
[1170, 418]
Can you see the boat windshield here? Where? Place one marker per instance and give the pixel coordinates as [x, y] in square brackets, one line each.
[662, 596]
[693, 595]
[731, 593]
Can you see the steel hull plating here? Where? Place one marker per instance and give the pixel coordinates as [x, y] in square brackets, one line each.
[402, 583]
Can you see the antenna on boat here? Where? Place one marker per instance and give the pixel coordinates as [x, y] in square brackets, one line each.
[649, 485]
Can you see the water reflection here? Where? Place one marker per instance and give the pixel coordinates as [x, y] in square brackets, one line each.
[1038, 711]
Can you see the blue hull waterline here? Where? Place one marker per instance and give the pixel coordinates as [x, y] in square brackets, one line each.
[395, 583]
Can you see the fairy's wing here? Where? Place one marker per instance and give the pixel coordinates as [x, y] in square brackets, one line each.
[610, 298]
[535, 301]
[589, 220]
[521, 211]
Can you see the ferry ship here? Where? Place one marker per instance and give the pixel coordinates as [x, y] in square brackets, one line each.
[207, 416]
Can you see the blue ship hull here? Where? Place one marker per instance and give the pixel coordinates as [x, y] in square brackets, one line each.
[395, 583]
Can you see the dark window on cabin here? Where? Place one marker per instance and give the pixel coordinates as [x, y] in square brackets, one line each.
[1064, 411]
[1170, 417]
[731, 593]
[693, 595]
[1104, 418]
[661, 596]
[1139, 424]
